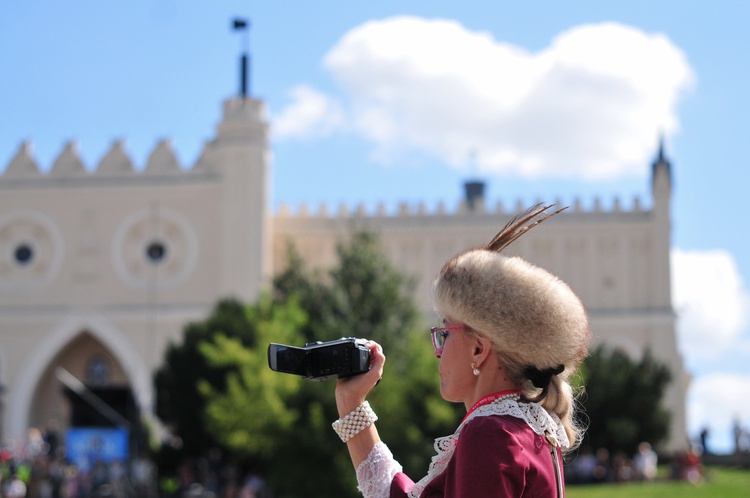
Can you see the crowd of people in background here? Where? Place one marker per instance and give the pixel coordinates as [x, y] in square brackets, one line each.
[36, 467]
[598, 467]
[591, 467]
[31, 470]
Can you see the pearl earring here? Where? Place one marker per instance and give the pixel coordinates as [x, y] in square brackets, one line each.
[475, 369]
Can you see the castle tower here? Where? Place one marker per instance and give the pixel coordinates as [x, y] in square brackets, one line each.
[664, 346]
[241, 148]
[100, 270]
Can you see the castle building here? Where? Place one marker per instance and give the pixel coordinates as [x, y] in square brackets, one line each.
[100, 270]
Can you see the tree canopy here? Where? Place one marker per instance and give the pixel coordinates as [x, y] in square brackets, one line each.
[249, 415]
[279, 425]
[179, 403]
[622, 401]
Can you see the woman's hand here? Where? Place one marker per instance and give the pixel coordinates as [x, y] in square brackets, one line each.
[352, 391]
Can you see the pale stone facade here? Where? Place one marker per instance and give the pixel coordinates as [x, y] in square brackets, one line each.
[100, 270]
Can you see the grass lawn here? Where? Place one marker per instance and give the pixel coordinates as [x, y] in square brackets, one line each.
[718, 483]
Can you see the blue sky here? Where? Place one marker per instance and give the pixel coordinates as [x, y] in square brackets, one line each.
[402, 101]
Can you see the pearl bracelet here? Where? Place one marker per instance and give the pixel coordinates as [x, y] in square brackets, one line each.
[355, 422]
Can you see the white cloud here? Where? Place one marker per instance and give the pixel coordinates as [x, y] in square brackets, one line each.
[711, 302]
[713, 307]
[717, 401]
[310, 115]
[591, 104]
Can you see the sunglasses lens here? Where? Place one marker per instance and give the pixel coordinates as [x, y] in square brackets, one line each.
[438, 338]
[439, 335]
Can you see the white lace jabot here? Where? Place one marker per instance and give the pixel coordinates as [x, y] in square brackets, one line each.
[375, 474]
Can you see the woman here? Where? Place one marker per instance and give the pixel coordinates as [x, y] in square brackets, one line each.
[512, 336]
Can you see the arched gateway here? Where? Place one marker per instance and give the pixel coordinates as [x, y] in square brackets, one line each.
[93, 351]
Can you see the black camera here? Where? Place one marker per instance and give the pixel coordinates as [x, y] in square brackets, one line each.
[343, 357]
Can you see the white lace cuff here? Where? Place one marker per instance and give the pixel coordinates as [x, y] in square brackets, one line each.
[374, 475]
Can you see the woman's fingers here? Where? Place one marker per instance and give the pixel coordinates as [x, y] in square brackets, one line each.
[352, 391]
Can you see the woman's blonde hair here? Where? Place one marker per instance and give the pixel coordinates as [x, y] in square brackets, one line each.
[538, 326]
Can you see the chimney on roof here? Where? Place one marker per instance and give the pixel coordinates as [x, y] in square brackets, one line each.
[474, 194]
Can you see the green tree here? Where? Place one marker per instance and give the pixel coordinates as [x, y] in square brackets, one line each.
[250, 415]
[216, 389]
[179, 403]
[622, 401]
[363, 295]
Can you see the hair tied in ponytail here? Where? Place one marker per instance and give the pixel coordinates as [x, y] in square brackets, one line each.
[541, 378]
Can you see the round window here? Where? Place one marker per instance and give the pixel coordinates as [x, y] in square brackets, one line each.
[156, 252]
[24, 254]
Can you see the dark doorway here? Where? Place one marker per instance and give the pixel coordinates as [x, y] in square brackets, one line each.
[83, 414]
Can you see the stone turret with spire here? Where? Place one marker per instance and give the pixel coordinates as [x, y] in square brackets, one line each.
[661, 189]
[661, 170]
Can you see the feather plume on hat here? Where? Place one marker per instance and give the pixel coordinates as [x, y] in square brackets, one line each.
[520, 224]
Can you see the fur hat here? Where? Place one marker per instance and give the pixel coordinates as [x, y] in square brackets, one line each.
[532, 317]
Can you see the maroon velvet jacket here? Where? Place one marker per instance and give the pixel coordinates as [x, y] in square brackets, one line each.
[496, 456]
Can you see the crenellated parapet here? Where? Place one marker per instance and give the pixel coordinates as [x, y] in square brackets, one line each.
[115, 163]
[474, 204]
[243, 125]
[409, 210]
[23, 164]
